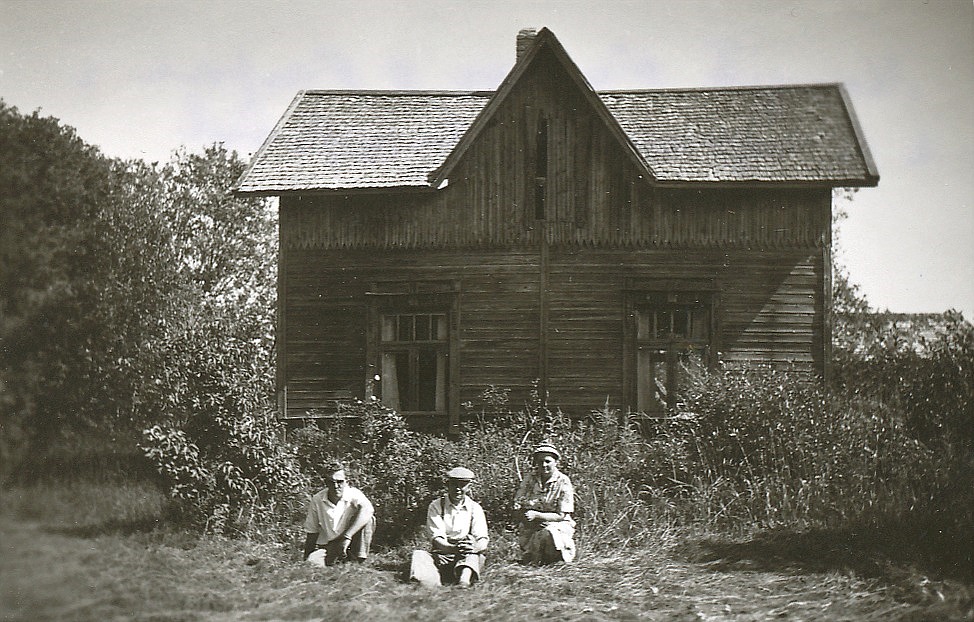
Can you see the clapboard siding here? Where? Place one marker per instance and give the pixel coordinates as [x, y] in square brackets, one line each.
[545, 299]
[498, 333]
[767, 313]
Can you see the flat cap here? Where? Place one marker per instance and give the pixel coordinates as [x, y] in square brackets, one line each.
[460, 473]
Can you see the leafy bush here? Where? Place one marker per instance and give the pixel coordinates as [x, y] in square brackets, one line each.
[244, 486]
[399, 470]
[768, 447]
[220, 447]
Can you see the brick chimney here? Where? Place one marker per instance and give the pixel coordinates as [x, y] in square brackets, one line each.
[525, 39]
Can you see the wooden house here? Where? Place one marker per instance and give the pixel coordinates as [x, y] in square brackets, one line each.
[599, 245]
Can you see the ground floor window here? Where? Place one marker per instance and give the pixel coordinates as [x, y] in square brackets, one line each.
[412, 349]
[414, 355]
[673, 345]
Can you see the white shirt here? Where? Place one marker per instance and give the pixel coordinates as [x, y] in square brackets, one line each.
[455, 522]
[328, 519]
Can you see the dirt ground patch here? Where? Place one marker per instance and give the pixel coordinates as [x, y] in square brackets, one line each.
[118, 573]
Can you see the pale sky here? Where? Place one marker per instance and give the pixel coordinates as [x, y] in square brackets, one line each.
[141, 78]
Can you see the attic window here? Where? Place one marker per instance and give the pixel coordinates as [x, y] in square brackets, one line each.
[540, 168]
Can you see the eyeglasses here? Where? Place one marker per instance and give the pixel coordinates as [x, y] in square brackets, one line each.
[335, 482]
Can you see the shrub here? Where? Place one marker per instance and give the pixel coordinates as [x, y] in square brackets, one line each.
[927, 371]
[220, 448]
[399, 470]
[237, 476]
[767, 447]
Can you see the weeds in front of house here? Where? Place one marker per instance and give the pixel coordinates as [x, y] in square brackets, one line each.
[884, 455]
[880, 454]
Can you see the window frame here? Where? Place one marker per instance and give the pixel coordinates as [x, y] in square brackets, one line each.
[415, 298]
[415, 350]
[645, 297]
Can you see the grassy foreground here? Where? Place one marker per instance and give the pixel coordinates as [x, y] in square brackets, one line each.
[86, 551]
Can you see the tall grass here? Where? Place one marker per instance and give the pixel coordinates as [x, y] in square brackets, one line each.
[886, 448]
[755, 448]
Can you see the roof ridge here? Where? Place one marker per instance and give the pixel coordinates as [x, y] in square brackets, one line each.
[444, 93]
[753, 87]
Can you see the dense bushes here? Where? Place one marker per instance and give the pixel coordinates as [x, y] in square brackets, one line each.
[220, 450]
[139, 296]
[769, 448]
[888, 443]
[926, 370]
[402, 470]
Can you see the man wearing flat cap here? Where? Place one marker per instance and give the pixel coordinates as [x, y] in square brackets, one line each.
[457, 528]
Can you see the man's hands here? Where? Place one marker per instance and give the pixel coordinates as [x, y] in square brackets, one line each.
[463, 546]
[337, 549]
[467, 545]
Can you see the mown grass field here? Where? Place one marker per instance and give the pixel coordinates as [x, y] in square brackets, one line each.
[103, 551]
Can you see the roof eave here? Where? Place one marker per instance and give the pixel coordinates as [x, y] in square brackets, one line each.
[759, 183]
[267, 141]
[282, 192]
[867, 156]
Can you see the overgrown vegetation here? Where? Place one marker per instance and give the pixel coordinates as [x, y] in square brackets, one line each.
[137, 306]
[139, 297]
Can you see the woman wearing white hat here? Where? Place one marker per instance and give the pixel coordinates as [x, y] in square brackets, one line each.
[544, 502]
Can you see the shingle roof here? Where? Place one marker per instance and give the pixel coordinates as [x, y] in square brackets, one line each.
[764, 134]
[361, 139]
[333, 140]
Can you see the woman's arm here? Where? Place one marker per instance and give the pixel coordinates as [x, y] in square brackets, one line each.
[547, 517]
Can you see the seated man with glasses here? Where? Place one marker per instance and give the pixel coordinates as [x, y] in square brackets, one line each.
[457, 528]
[340, 522]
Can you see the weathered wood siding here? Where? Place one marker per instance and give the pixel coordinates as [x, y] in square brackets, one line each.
[545, 298]
[327, 294]
[769, 311]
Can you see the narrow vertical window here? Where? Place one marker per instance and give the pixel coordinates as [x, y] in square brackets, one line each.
[540, 168]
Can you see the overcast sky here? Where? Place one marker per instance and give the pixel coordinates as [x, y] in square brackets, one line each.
[140, 79]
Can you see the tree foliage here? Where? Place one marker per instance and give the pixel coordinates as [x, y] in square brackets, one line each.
[124, 287]
[54, 194]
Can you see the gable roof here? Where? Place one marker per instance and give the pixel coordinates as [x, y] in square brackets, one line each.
[360, 140]
[543, 39]
[785, 134]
